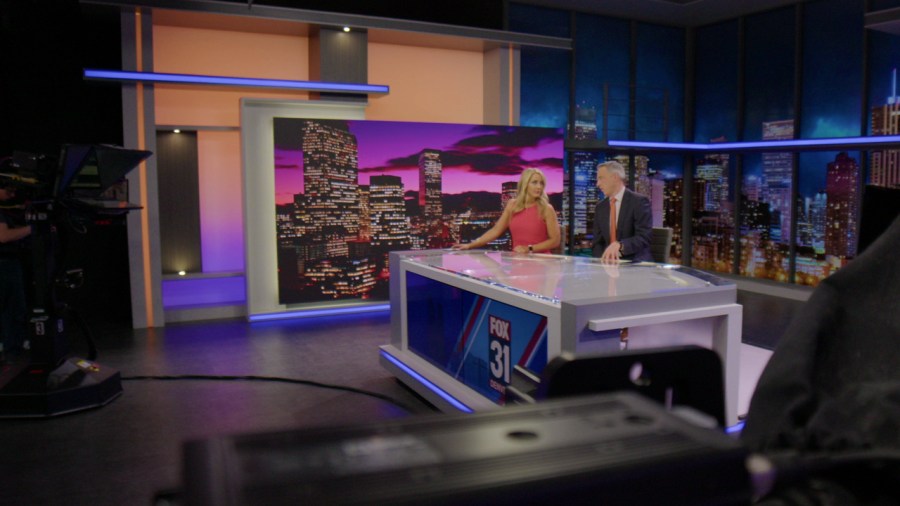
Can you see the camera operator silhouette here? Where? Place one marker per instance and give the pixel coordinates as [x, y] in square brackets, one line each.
[13, 231]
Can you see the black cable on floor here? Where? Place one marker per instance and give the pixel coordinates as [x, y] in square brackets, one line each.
[277, 379]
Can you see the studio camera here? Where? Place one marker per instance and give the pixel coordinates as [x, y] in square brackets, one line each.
[58, 197]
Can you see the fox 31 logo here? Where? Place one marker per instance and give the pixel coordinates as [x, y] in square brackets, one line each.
[500, 338]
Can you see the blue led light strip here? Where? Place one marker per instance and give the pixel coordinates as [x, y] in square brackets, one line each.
[155, 77]
[736, 428]
[426, 383]
[774, 145]
[310, 313]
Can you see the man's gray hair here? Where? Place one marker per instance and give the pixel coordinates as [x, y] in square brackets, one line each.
[614, 167]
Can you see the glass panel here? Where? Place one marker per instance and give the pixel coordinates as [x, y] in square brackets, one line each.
[659, 108]
[716, 82]
[602, 45]
[766, 211]
[666, 183]
[769, 76]
[544, 85]
[833, 69]
[544, 95]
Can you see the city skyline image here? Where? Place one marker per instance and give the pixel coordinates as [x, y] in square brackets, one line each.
[473, 157]
[347, 192]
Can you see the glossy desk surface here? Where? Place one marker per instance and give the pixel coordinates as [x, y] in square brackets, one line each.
[557, 278]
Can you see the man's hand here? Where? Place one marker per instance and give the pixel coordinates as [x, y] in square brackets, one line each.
[612, 253]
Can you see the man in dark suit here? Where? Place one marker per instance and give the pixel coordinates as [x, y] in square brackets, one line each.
[629, 237]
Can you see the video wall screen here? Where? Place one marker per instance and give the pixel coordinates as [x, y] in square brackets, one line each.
[347, 192]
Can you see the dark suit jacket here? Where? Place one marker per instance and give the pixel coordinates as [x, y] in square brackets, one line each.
[634, 228]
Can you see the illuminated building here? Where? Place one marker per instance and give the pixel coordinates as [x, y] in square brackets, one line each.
[842, 211]
[430, 167]
[752, 188]
[818, 217]
[641, 172]
[713, 170]
[365, 222]
[582, 175]
[387, 212]
[342, 278]
[673, 212]
[586, 192]
[284, 223]
[330, 182]
[777, 178]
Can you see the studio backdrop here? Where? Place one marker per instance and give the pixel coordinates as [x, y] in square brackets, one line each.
[343, 192]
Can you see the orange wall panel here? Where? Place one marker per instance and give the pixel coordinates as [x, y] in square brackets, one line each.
[181, 50]
[427, 84]
[239, 54]
[207, 105]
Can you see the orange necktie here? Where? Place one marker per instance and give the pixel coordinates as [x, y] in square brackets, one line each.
[612, 220]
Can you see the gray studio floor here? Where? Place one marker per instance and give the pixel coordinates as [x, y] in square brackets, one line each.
[128, 451]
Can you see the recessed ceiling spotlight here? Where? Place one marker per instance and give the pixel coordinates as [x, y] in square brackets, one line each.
[346, 28]
[177, 130]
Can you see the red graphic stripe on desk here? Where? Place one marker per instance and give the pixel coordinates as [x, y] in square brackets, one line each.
[470, 322]
[526, 357]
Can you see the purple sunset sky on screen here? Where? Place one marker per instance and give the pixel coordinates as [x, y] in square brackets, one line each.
[475, 158]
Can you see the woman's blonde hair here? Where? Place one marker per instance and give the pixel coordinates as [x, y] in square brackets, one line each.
[522, 191]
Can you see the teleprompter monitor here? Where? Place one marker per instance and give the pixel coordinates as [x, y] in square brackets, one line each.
[88, 170]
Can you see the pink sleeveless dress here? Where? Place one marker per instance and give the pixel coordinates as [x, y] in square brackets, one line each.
[527, 227]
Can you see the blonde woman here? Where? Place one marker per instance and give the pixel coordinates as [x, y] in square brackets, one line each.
[530, 218]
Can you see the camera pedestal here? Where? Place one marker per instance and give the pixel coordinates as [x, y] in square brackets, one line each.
[46, 381]
[29, 389]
